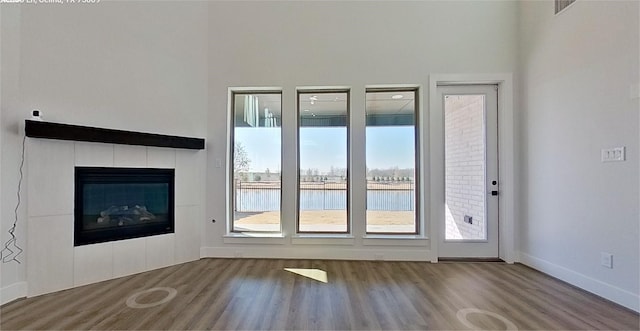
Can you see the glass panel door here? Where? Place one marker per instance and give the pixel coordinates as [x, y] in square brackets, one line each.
[471, 173]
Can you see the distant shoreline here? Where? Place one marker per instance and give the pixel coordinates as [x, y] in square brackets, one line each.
[329, 185]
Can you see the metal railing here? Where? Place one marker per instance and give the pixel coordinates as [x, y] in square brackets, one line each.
[391, 195]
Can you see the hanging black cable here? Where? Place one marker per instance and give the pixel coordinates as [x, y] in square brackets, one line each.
[8, 254]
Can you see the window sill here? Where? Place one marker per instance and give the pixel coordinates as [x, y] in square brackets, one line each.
[394, 240]
[323, 239]
[254, 238]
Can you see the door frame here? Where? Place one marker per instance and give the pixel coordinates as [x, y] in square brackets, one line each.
[506, 162]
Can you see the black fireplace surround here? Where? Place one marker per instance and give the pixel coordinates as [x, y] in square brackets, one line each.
[122, 203]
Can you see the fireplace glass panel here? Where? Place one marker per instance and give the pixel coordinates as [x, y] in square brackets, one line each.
[107, 205]
[122, 203]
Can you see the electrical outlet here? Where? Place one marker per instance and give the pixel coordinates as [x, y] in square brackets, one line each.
[218, 163]
[615, 154]
[634, 91]
[606, 260]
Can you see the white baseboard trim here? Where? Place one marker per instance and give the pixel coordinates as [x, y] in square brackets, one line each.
[12, 292]
[325, 253]
[600, 288]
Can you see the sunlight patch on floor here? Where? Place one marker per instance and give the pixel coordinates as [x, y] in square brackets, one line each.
[315, 274]
[452, 232]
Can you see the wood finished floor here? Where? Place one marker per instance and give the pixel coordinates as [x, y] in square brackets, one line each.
[250, 294]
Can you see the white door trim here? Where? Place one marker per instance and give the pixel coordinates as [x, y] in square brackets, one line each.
[506, 150]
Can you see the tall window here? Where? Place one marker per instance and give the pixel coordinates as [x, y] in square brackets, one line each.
[323, 188]
[256, 154]
[391, 152]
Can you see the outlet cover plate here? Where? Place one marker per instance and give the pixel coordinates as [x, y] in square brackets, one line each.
[606, 260]
[615, 154]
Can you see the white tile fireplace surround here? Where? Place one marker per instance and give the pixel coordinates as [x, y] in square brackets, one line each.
[53, 263]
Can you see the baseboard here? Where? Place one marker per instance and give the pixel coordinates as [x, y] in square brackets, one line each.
[12, 292]
[600, 288]
[325, 253]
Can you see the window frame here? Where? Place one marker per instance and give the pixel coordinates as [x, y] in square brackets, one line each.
[231, 154]
[300, 91]
[417, 164]
[561, 5]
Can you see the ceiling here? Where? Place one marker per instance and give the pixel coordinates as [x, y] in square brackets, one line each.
[385, 103]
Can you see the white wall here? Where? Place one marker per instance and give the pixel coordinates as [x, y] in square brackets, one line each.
[352, 44]
[578, 68]
[12, 274]
[127, 65]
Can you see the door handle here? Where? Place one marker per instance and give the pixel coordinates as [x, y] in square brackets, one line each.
[494, 193]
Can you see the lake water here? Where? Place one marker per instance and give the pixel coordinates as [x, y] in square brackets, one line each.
[255, 200]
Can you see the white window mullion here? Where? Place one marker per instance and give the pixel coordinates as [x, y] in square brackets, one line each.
[358, 173]
[289, 161]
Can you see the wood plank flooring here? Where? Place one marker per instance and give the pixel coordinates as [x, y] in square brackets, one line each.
[252, 294]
